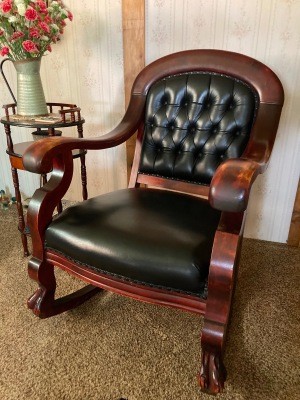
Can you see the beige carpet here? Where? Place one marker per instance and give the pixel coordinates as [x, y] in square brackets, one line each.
[113, 347]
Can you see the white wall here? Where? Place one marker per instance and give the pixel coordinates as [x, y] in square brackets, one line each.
[85, 68]
[268, 30]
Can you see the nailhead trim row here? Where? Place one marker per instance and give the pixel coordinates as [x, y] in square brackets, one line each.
[202, 295]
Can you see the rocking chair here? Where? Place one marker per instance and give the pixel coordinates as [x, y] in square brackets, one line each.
[206, 123]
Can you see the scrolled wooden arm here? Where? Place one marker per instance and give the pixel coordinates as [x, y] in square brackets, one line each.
[38, 158]
[231, 184]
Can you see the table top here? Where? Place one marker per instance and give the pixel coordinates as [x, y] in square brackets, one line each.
[31, 123]
[60, 115]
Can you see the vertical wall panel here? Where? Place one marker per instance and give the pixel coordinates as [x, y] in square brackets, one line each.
[268, 30]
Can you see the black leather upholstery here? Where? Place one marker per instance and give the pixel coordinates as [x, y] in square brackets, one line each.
[193, 122]
[147, 236]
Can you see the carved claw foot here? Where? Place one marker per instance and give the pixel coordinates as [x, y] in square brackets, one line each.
[213, 373]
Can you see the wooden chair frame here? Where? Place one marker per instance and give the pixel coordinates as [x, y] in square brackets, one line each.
[229, 192]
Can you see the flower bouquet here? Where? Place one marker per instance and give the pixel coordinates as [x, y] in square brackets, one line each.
[27, 30]
[29, 27]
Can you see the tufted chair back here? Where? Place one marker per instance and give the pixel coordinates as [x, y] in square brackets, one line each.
[194, 121]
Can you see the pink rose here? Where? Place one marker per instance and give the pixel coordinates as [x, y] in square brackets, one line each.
[48, 19]
[70, 16]
[45, 27]
[49, 48]
[4, 51]
[29, 46]
[31, 14]
[42, 4]
[16, 35]
[34, 32]
[6, 6]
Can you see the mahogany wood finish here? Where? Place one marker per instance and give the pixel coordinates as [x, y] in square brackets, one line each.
[229, 192]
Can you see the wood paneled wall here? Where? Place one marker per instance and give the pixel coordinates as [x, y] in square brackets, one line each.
[86, 67]
[133, 17]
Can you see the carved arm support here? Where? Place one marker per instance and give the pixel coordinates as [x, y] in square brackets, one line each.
[232, 182]
[46, 198]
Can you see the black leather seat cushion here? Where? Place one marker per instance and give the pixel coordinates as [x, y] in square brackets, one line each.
[153, 237]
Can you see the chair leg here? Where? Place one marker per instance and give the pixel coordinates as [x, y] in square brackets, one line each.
[221, 284]
[43, 302]
[212, 375]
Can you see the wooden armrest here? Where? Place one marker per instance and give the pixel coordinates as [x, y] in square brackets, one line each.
[38, 158]
[231, 184]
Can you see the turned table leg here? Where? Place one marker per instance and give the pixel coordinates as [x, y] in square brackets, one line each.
[21, 224]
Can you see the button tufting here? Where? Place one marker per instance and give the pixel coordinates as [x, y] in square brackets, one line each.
[197, 137]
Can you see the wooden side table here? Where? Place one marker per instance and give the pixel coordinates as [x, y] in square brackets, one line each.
[70, 116]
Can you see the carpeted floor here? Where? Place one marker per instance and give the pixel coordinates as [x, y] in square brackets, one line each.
[113, 347]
